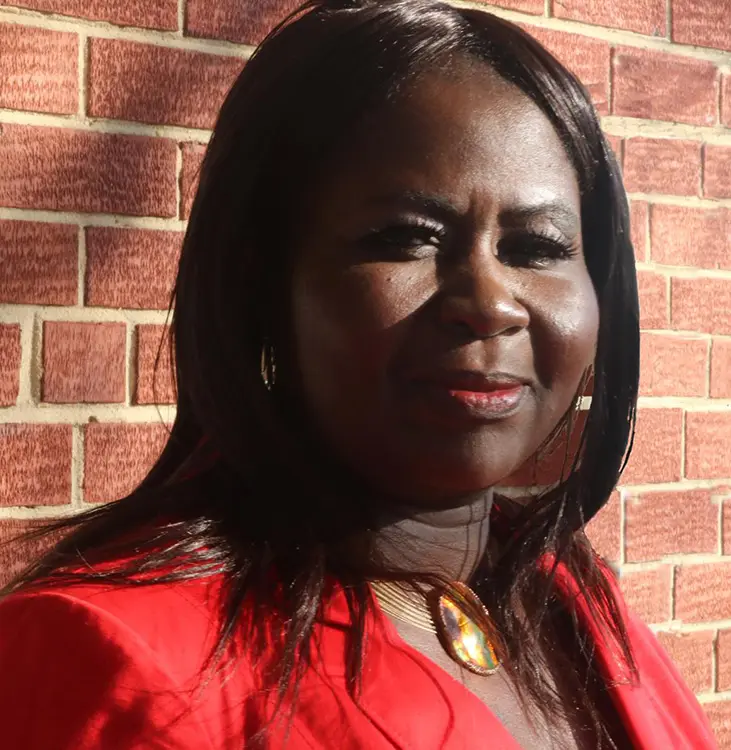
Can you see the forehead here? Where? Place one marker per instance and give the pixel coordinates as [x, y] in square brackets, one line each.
[468, 136]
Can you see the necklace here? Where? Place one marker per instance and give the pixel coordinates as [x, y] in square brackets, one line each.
[460, 636]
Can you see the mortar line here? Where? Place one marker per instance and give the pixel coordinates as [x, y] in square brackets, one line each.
[129, 357]
[683, 428]
[82, 413]
[613, 36]
[25, 375]
[74, 314]
[719, 541]
[77, 466]
[714, 662]
[547, 9]
[668, 20]
[629, 127]
[92, 220]
[702, 172]
[83, 73]
[105, 126]
[81, 265]
[170, 39]
[610, 91]
[181, 17]
[669, 298]
[178, 180]
[36, 362]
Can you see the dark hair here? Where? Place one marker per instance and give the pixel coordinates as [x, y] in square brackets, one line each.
[207, 505]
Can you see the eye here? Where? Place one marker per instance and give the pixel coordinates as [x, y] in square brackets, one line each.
[534, 250]
[415, 238]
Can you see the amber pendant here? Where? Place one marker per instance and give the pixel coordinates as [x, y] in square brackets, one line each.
[462, 638]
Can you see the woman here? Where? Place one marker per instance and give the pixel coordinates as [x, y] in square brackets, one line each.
[408, 254]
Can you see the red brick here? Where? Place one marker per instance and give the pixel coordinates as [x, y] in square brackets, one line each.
[83, 362]
[603, 530]
[38, 263]
[726, 101]
[638, 219]
[35, 464]
[192, 159]
[657, 448]
[708, 445]
[702, 22]
[38, 69]
[9, 363]
[155, 381]
[161, 14]
[719, 716]
[587, 58]
[684, 236]
[117, 457]
[71, 170]
[660, 374]
[647, 593]
[659, 86]
[159, 84]
[693, 655]
[662, 165]
[234, 20]
[642, 16]
[670, 523]
[721, 368]
[16, 551]
[653, 290]
[717, 171]
[701, 305]
[131, 268]
[702, 592]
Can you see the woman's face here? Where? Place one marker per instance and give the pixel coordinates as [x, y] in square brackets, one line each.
[443, 315]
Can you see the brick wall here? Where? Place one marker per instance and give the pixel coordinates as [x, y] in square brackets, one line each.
[105, 106]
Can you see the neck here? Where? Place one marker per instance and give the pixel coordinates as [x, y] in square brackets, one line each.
[449, 542]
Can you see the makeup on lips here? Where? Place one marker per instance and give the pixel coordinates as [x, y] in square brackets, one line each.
[473, 394]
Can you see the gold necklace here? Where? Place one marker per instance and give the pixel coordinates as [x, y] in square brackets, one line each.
[460, 636]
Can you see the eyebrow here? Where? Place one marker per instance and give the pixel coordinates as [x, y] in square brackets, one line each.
[558, 213]
[562, 216]
[413, 200]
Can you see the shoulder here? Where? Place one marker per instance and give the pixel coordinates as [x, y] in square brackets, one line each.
[107, 666]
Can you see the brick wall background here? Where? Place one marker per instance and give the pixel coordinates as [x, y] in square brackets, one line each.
[105, 108]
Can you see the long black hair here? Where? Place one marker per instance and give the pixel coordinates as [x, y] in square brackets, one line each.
[240, 488]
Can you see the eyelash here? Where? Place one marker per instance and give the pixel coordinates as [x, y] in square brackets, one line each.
[408, 239]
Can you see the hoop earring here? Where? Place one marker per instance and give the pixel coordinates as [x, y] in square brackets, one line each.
[567, 422]
[268, 365]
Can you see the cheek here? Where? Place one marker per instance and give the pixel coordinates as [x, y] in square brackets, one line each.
[566, 324]
[348, 325]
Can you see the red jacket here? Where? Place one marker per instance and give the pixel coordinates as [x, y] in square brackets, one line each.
[92, 668]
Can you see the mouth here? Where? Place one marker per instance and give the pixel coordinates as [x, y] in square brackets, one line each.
[473, 395]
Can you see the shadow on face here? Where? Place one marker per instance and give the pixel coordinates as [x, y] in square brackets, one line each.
[442, 311]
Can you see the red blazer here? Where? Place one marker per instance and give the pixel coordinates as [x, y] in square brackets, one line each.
[93, 668]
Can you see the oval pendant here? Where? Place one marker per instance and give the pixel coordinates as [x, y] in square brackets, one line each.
[462, 638]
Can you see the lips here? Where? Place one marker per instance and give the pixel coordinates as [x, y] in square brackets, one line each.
[468, 394]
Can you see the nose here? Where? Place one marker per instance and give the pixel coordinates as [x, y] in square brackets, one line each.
[478, 295]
